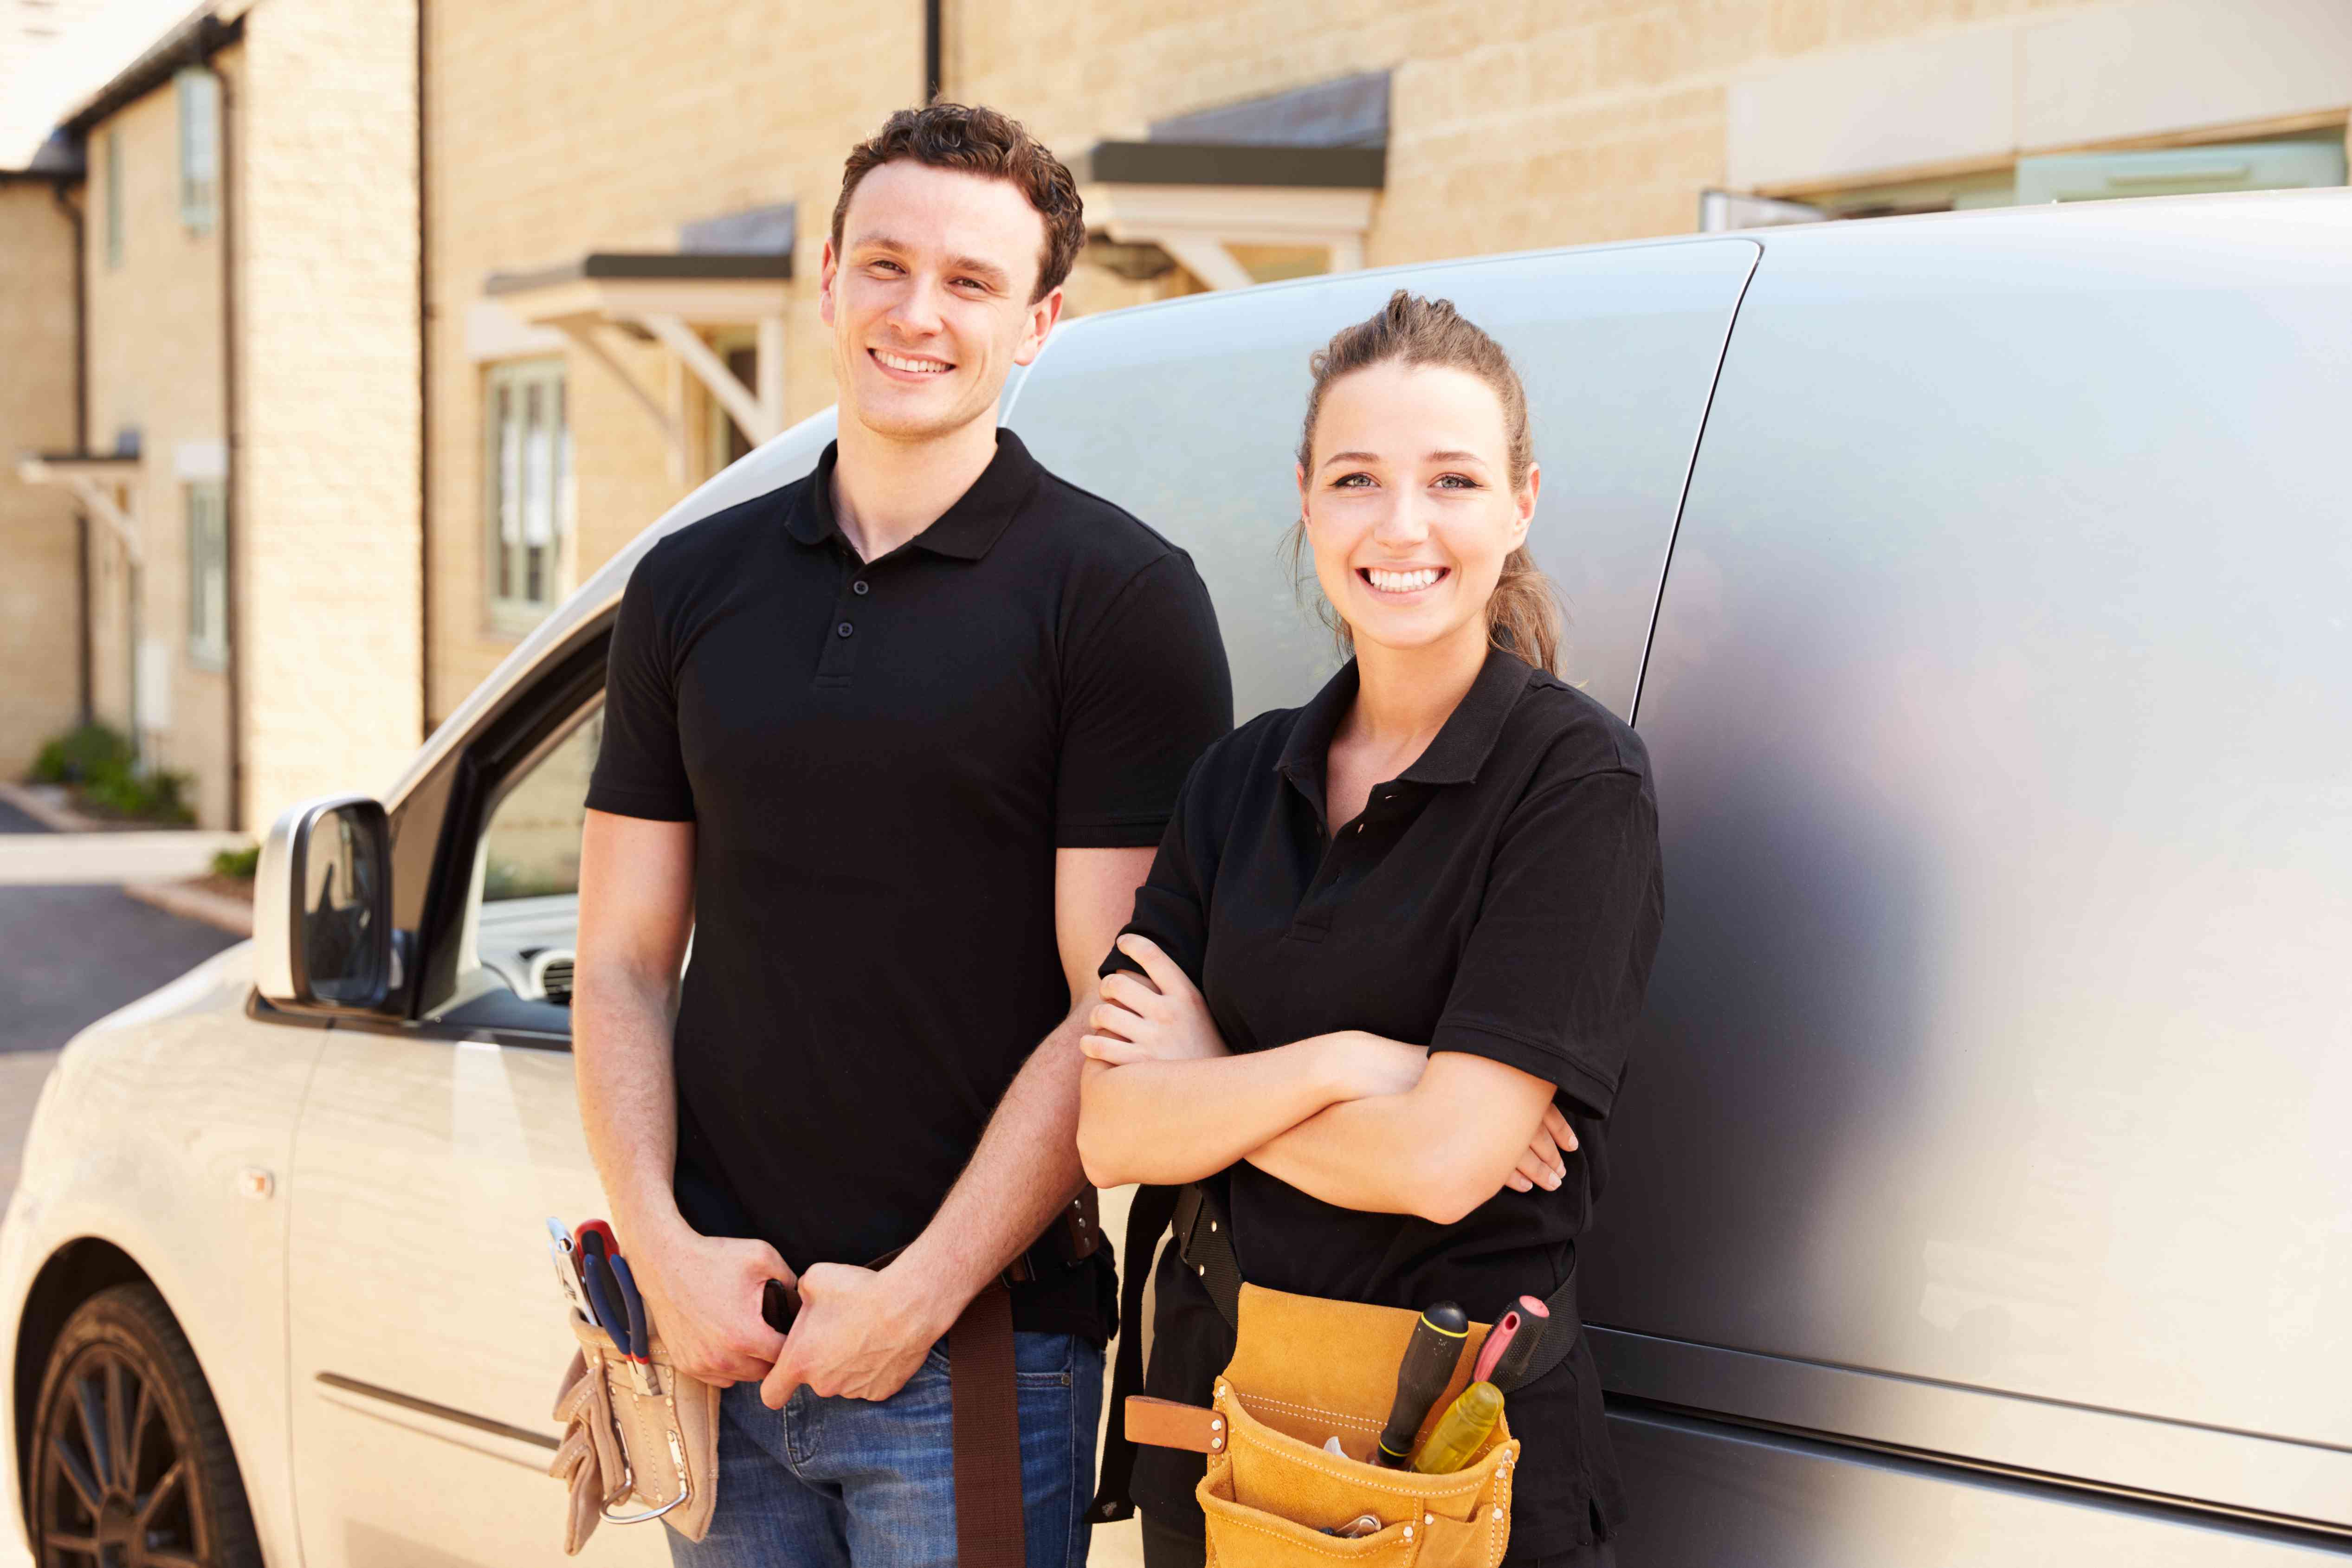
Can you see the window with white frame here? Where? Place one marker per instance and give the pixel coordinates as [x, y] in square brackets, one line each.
[208, 574]
[199, 92]
[528, 458]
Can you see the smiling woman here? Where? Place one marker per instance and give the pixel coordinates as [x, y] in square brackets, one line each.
[1377, 993]
[1411, 335]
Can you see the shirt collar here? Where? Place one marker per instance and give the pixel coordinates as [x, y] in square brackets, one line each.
[965, 531]
[1463, 745]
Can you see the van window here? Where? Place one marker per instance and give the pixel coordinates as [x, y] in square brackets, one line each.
[1187, 413]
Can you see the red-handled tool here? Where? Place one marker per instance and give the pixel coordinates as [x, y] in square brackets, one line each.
[1498, 1339]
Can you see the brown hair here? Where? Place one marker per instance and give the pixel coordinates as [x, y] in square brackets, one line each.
[1524, 614]
[978, 141]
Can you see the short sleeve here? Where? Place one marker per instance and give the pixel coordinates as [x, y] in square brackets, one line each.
[1553, 973]
[1145, 692]
[640, 770]
[1171, 907]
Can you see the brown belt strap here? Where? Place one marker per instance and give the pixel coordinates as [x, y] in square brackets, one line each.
[986, 1402]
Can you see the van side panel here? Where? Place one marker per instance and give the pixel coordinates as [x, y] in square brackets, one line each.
[2000, 1043]
[1187, 415]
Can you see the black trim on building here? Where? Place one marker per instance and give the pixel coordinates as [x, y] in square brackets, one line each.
[1236, 163]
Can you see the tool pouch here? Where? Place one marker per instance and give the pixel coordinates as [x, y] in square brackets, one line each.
[1305, 1370]
[629, 1455]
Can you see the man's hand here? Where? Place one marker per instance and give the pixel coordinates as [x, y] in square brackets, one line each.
[702, 1293]
[1158, 1018]
[860, 1336]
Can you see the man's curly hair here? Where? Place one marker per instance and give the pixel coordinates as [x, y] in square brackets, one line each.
[979, 140]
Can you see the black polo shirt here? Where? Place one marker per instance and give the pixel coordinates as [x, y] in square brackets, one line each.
[880, 760]
[1502, 896]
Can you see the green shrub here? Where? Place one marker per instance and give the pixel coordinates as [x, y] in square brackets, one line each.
[239, 864]
[157, 797]
[82, 756]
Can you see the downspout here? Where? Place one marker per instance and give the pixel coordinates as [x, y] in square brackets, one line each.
[933, 75]
[82, 443]
[229, 484]
[423, 414]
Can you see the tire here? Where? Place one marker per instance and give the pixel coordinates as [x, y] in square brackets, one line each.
[131, 1464]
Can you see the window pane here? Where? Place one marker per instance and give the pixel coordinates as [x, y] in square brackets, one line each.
[532, 846]
[539, 469]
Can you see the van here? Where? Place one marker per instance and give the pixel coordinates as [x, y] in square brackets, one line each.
[1980, 1192]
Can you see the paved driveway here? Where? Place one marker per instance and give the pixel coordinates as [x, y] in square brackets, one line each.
[70, 956]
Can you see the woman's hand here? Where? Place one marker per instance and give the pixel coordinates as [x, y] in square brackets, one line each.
[1544, 1165]
[1157, 1016]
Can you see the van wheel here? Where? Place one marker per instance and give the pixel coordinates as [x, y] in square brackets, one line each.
[130, 1463]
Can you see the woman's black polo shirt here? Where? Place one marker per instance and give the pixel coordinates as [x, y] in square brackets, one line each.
[880, 760]
[1502, 896]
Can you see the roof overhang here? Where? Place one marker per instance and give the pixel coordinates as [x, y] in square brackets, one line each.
[193, 43]
[1195, 199]
[699, 287]
[665, 296]
[77, 467]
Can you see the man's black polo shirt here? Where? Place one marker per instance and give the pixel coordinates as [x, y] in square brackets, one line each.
[1502, 896]
[880, 760]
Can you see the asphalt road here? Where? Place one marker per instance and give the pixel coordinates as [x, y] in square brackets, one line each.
[70, 956]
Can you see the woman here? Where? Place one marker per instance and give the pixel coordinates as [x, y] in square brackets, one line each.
[1377, 990]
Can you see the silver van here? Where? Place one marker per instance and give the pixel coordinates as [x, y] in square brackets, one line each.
[1982, 1191]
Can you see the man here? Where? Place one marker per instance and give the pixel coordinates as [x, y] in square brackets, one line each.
[895, 743]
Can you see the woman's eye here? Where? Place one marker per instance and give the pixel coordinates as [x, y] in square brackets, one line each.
[1457, 482]
[1353, 481]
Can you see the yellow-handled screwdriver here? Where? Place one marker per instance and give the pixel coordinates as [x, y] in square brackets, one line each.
[1464, 1426]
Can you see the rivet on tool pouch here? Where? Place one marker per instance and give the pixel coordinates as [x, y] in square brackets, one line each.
[1305, 1370]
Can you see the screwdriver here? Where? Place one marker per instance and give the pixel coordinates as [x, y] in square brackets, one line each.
[1460, 1430]
[1422, 1376]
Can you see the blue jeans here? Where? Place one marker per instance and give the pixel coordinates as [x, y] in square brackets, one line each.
[826, 1483]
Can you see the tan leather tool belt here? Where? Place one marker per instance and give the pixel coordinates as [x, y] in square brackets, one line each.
[1306, 1370]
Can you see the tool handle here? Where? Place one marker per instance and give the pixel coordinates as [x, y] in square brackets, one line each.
[1499, 1340]
[633, 1304]
[610, 1313]
[1511, 1368]
[1428, 1365]
[1460, 1430]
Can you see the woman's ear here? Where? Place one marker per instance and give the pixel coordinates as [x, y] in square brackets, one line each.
[1527, 504]
[1300, 470]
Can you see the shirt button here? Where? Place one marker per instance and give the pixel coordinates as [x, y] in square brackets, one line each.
[858, 587]
[844, 630]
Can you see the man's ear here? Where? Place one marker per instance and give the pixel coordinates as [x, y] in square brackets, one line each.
[827, 266]
[1042, 317]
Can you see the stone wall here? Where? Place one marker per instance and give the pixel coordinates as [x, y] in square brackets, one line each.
[328, 497]
[40, 623]
[155, 368]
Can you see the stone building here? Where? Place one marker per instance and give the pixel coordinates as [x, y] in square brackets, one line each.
[230, 404]
[464, 376]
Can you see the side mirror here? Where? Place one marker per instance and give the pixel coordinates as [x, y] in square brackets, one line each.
[323, 907]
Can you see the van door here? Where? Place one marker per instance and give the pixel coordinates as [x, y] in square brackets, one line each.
[1187, 413]
[427, 1332]
[1991, 1107]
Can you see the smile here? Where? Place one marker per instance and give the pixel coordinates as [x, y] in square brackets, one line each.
[1411, 581]
[906, 364]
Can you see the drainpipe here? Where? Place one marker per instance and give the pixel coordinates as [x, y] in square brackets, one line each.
[230, 486]
[423, 414]
[82, 443]
[933, 74]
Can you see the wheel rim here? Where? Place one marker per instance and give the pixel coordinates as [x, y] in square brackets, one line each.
[117, 1483]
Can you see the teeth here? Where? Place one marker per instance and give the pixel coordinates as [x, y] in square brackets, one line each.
[1400, 581]
[921, 367]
